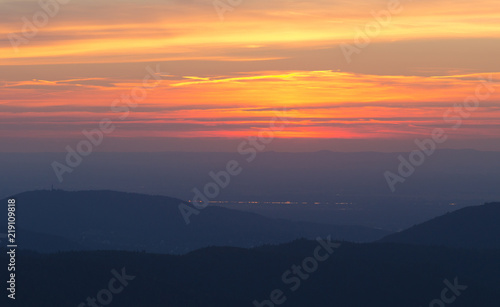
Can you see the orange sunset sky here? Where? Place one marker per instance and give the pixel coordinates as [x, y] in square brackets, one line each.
[223, 74]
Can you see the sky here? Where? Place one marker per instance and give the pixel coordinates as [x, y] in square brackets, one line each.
[344, 75]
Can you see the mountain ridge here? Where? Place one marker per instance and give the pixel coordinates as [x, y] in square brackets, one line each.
[470, 227]
[108, 220]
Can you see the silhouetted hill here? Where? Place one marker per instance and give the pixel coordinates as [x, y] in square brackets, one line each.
[106, 220]
[355, 275]
[471, 227]
[464, 177]
[45, 243]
